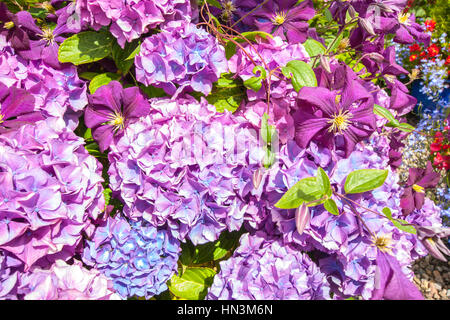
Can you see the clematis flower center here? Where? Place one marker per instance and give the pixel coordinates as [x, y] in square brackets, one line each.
[47, 34]
[9, 25]
[340, 122]
[228, 9]
[1, 118]
[418, 188]
[384, 243]
[279, 18]
[117, 121]
[403, 18]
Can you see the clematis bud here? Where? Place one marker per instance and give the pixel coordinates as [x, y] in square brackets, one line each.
[325, 63]
[376, 57]
[257, 177]
[302, 217]
[351, 12]
[431, 238]
[366, 25]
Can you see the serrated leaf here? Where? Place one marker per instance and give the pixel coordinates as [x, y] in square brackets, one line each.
[305, 190]
[301, 74]
[102, 80]
[85, 47]
[227, 93]
[364, 180]
[193, 284]
[331, 206]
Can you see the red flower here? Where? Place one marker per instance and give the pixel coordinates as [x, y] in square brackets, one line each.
[433, 50]
[414, 47]
[435, 147]
[447, 61]
[430, 25]
[413, 57]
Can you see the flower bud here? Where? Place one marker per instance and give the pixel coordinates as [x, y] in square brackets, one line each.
[367, 26]
[376, 57]
[325, 62]
[257, 177]
[302, 217]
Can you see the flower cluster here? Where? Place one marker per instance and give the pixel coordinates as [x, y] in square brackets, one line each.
[137, 257]
[51, 92]
[266, 269]
[66, 282]
[181, 56]
[51, 192]
[186, 166]
[127, 20]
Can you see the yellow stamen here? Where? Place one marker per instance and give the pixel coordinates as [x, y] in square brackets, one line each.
[340, 122]
[117, 121]
[384, 243]
[228, 9]
[47, 34]
[390, 78]
[279, 18]
[418, 188]
[403, 18]
[1, 118]
[9, 25]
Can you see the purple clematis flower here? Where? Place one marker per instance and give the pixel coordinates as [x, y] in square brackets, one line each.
[390, 281]
[111, 108]
[334, 118]
[285, 19]
[414, 195]
[431, 238]
[16, 108]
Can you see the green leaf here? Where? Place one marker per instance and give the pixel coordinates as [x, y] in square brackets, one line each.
[153, 92]
[314, 47]
[107, 194]
[365, 180]
[87, 134]
[227, 93]
[211, 251]
[305, 190]
[328, 15]
[335, 43]
[94, 150]
[230, 47]
[255, 83]
[383, 112]
[331, 207]
[85, 47]
[193, 284]
[267, 131]
[124, 58]
[88, 75]
[406, 127]
[214, 3]
[301, 73]
[101, 80]
[399, 223]
[324, 182]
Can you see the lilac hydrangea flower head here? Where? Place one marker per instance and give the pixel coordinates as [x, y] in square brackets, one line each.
[179, 167]
[51, 192]
[182, 55]
[66, 282]
[111, 108]
[10, 270]
[127, 20]
[136, 256]
[265, 269]
[56, 92]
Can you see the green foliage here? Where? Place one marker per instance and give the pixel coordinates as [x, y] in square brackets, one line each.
[124, 58]
[306, 190]
[231, 47]
[227, 93]
[314, 47]
[211, 251]
[102, 80]
[255, 83]
[394, 123]
[86, 47]
[331, 206]
[364, 180]
[399, 223]
[301, 74]
[193, 284]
